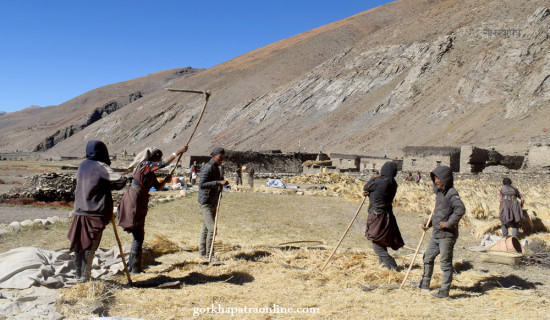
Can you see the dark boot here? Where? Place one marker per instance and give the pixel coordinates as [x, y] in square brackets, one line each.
[390, 264]
[424, 284]
[441, 294]
[77, 265]
[134, 263]
[86, 268]
[131, 261]
[420, 285]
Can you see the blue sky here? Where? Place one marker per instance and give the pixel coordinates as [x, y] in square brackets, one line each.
[54, 50]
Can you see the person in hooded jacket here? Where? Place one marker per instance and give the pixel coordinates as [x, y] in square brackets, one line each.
[382, 227]
[211, 184]
[448, 211]
[510, 212]
[135, 201]
[93, 205]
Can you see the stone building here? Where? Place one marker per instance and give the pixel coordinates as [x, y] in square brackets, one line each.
[425, 159]
[345, 162]
[369, 163]
[273, 161]
[474, 159]
[538, 153]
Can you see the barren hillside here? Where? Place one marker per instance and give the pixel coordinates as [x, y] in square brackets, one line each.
[423, 72]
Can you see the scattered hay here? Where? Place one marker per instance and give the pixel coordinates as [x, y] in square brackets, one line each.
[161, 246]
[309, 163]
[87, 299]
[483, 228]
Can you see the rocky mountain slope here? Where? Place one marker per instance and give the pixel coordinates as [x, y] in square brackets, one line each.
[39, 129]
[412, 72]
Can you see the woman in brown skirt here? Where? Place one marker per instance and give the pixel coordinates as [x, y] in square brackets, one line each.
[134, 205]
[511, 211]
[382, 227]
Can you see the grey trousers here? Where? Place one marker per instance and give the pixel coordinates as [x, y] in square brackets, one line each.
[208, 213]
[444, 247]
[384, 257]
[514, 226]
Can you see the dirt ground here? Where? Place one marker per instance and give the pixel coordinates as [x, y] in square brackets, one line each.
[19, 213]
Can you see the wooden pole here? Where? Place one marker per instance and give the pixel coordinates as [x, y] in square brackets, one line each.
[121, 252]
[345, 232]
[215, 226]
[207, 97]
[417, 249]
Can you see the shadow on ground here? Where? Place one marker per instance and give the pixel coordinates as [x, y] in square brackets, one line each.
[194, 278]
[511, 282]
[253, 256]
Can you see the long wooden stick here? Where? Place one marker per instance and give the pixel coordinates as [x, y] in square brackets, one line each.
[345, 232]
[121, 252]
[207, 97]
[417, 249]
[215, 226]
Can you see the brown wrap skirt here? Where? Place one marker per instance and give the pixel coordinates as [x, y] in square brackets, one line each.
[133, 209]
[383, 230]
[84, 230]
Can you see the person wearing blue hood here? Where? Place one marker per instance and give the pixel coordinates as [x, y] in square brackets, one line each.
[93, 205]
[382, 227]
[448, 211]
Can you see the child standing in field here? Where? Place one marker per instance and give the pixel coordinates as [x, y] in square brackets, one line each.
[448, 211]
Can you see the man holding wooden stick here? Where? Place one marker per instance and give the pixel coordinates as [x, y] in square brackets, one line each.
[211, 182]
[448, 211]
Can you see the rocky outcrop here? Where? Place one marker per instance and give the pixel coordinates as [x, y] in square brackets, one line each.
[96, 115]
[47, 187]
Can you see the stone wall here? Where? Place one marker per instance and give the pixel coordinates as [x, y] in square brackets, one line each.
[47, 187]
[538, 153]
[474, 159]
[267, 162]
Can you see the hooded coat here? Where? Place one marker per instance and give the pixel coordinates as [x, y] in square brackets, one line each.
[209, 189]
[93, 205]
[449, 207]
[381, 223]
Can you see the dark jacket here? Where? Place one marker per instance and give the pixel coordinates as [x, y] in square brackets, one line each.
[209, 189]
[94, 182]
[382, 226]
[382, 190]
[448, 206]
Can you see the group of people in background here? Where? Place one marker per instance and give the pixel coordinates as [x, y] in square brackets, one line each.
[93, 209]
[383, 231]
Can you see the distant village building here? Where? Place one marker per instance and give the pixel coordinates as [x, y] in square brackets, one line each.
[474, 159]
[368, 163]
[345, 162]
[426, 159]
[538, 153]
[274, 161]
[18, 156]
